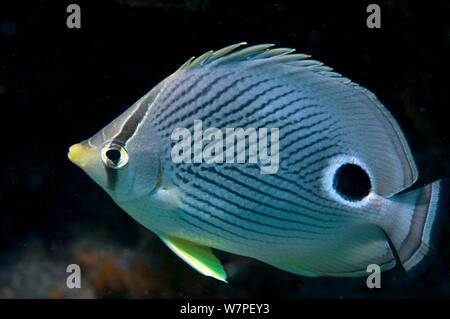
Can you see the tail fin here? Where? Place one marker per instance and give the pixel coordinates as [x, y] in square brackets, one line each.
[414, 222]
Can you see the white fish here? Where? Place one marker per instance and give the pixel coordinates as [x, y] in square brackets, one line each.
[330, 209]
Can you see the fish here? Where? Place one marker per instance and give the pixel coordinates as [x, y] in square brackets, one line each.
[339, 193]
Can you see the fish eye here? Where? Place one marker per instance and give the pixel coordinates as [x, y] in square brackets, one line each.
[114, 156]
[352, 182]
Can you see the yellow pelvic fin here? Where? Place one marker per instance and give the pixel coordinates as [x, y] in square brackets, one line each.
[201, 258]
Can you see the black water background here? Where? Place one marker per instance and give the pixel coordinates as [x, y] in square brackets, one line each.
[59, 86]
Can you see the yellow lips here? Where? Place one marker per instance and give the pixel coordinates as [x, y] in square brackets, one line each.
[82, 154]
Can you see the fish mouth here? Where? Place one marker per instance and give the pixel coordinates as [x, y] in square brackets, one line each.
[82, 154]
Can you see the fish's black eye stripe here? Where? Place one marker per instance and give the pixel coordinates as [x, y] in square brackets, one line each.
[111, 177]
[132, 122]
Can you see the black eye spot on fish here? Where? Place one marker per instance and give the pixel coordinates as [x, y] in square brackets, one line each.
[113, 155]
[352, 182]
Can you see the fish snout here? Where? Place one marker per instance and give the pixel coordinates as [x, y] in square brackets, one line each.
[82, 154]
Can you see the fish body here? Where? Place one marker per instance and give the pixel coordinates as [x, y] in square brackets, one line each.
[318, 197]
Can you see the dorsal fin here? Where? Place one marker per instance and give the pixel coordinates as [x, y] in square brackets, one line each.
[396, 172]
[262, 53]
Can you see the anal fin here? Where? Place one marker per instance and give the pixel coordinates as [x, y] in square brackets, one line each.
[201, 258]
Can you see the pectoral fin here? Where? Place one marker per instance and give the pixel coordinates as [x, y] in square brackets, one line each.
[201, 258]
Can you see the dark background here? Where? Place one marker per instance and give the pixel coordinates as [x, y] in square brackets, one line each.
[59, 86]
